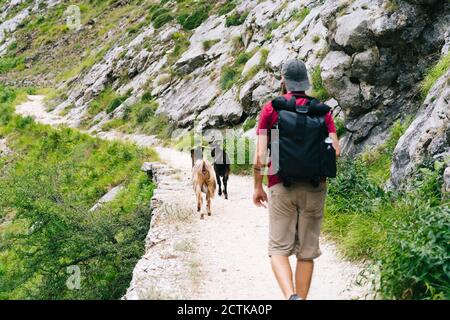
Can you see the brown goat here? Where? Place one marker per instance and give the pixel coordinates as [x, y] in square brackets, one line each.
[203, 179]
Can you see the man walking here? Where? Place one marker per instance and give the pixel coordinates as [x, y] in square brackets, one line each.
[295, 205]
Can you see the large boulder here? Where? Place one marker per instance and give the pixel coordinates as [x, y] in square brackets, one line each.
[427, 136]
[335, 69]
[352, 30]
[226, 111]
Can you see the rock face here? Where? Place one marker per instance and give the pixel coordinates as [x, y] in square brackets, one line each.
[371, 56]
[427, 136]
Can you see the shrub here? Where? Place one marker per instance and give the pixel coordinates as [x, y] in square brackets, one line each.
[52, 227]
[190, 21]
[414, 263]
[236, 19]
[229, 76]
[181, 44]
[227, 7]
[249, 124]
[207, 44]
[115, 103]
[145, 113]
[243, 57]
[10, 63]
[159, 15]
[319, 90]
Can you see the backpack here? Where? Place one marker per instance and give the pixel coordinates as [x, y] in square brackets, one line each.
[304, 152]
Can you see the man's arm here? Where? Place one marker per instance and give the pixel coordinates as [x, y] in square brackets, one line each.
[259, 164]
[336, 146]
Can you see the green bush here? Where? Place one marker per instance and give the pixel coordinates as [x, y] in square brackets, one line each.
[191, 20]
[415, 262]
[10, 63]
[249, 124]
[145, 113]
[319, 90]
[55, 177]
[115, 103]
[207, 44]
[229, 76]
[236, 19]
[403, 233]
[159, 15]
[227, 7]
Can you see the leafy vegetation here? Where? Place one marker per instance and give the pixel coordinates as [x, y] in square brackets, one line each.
[46, 190]
[404, 233]
[207, 44]
[11, 63]
[249, 124]
[435, 73]
[191, 19]
[107, 101]
[227, 7]
[236, 19]
[181, 44]
[318, 89]
[142, 117]
[301, 14]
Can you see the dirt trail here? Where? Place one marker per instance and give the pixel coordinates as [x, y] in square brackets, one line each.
[231, 245]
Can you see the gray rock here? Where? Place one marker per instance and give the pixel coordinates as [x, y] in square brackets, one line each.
[365, 63]
[191, 60]
[428, 134]
[334, 75]
[108, 197]
[447, 180]
[352, 30]
[4, 150]
[279, 53]
[226, 110]
[253, 62]
[182, 105]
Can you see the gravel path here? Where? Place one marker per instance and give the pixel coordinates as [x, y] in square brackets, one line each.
[231, 245]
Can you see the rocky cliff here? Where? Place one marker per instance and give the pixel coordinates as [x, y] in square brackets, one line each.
[216, 62]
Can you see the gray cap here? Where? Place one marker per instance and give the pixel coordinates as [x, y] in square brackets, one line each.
[295, 76]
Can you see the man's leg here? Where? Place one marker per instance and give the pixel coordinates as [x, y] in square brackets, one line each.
[311, 200]
[283, 273]
[282, 229]
[303, 276]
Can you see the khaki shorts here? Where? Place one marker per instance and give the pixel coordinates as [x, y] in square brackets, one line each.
[295, 218]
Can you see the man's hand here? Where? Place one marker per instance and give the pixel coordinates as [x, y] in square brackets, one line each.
[260, 197]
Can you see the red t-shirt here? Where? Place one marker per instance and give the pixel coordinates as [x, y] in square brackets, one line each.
[269, 118]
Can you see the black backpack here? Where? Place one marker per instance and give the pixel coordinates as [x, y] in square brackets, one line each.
[304, 152]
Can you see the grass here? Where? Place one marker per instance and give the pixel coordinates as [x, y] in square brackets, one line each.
[232, 75]
[207, 44]
[368, 222]
[300, 15]
[260, 66]
[227, 7]
[379, 159]
[181, 44]
[249, 124]
[8, 64]
[141, 117]
[434, 74]
[318, 89]
[107, 101]
[194, 16]
[236, 19]
[47, 188]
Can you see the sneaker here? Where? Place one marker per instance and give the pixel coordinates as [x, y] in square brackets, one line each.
[295, 297]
